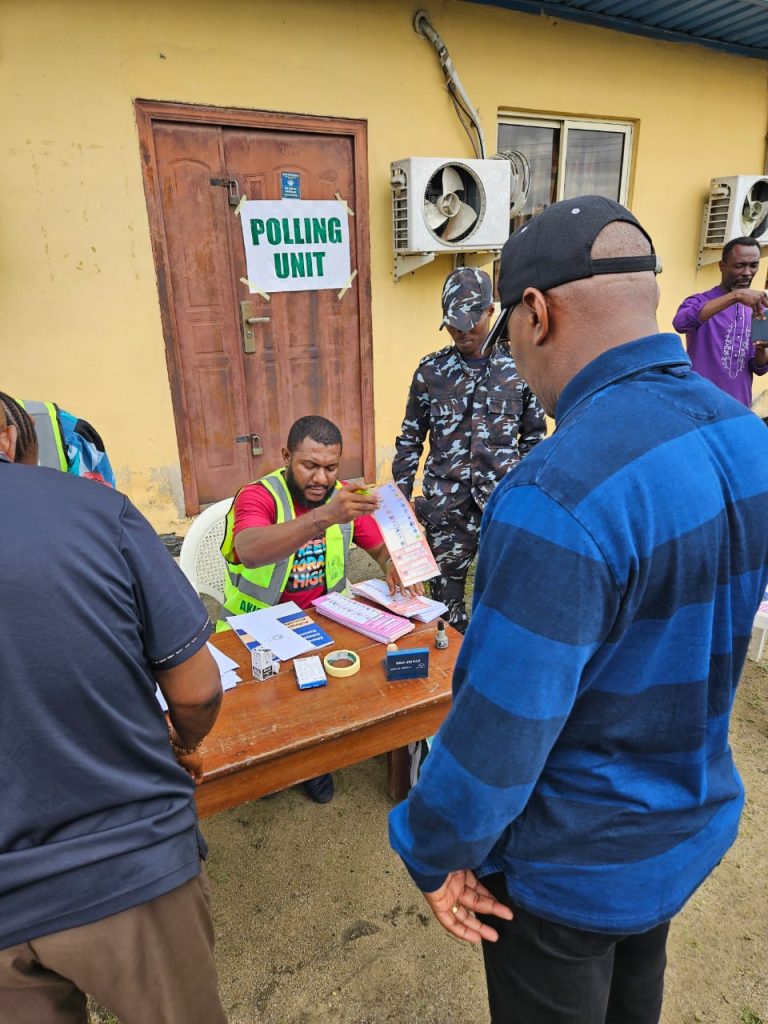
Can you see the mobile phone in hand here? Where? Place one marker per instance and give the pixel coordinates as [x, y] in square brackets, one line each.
[760, 331]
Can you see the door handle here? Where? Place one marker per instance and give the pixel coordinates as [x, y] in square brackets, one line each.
[246, 320]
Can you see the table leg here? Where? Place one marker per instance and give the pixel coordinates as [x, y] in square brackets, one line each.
[398, 774]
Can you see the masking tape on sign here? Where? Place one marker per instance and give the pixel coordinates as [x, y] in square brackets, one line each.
[239, 207]
[255, 289]
[348, 285]
[329, 662]
[350, 211]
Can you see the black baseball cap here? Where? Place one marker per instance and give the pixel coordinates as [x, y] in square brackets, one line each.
[467, 293]
[555, 247]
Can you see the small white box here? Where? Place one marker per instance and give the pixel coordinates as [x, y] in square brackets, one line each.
[309, 673]
[261, 663]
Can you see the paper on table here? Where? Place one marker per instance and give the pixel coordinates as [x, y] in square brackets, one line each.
[371, 622]
[424, 609]
[263, 628]
[226, 665]
[405, 542]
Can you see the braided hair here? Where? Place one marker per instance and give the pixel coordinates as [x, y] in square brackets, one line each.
[17, 416]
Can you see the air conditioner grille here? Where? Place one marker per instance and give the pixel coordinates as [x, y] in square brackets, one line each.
[717, 219]
[399, 209]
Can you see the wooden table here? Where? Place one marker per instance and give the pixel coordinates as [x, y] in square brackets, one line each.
[270, 735]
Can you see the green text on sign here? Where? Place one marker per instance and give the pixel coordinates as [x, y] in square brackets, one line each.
[296, 230]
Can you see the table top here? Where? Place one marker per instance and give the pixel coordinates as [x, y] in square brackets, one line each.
[263, 720]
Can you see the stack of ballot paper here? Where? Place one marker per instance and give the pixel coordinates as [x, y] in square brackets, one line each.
[369, 621]
[285, 629]
[423, 609]
[227, 666]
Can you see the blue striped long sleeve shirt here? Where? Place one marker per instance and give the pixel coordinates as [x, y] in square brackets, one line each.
[586, 753]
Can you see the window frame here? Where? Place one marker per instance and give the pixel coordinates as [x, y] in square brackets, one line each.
[567, 124]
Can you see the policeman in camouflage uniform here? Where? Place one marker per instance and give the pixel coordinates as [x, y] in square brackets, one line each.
[481, 419]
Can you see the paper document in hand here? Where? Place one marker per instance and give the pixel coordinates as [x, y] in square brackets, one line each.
[423, 609]
[369, 621]
[405, 542]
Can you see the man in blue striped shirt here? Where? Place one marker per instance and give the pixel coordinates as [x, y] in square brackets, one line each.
[584, 771]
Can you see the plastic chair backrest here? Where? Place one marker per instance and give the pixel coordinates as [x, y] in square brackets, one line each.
[200, 558]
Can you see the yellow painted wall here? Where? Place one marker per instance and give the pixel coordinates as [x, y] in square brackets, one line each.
[78, 297]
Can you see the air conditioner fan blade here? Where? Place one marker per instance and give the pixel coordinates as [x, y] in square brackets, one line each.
[452, 181]
[460, 223]
[753, 213]
[434, 215]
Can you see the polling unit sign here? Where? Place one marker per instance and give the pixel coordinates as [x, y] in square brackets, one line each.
[295, 245]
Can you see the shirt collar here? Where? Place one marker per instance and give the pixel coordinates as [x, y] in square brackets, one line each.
[652, 352]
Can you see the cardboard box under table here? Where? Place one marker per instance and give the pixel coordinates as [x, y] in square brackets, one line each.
[270, 735]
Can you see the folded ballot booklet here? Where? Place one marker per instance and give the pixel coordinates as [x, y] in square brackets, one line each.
[423, 609]
[371, 622]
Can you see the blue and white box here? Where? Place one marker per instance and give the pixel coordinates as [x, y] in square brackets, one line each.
[408, 664]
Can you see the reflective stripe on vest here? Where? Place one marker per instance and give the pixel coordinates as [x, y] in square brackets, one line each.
[248, 589]
[49, 440]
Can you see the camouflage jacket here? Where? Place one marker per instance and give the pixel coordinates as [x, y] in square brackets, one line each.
[480, 424]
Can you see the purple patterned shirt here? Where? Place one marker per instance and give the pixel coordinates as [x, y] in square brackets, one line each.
[720, 348]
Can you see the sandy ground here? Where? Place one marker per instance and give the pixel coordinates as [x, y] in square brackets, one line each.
[317, 921]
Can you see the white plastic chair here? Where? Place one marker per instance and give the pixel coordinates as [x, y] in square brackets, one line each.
[759, 630]
[200, 558]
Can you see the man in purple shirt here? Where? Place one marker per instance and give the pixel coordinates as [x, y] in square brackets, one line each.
[717, 324]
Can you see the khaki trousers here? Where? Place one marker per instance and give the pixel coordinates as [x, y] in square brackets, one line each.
[152, 964]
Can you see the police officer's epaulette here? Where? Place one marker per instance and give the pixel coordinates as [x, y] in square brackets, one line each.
[436, 355]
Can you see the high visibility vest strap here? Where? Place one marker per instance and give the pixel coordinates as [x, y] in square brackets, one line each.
[49, 440]
[245, 589]
[338, 541]
[248, 589]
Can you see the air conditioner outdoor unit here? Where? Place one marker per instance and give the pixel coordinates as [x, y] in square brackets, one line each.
[736, 206]
[448, 205]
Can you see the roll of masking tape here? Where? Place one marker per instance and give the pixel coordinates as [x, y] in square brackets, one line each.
[341, 663]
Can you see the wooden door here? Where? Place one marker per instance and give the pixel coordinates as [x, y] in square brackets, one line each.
[312, 350]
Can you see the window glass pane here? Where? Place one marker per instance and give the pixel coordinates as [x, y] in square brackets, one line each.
[593, 163]
[541, 146]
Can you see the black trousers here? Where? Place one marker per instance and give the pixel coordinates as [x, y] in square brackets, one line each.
[454, 543]
[545, 973]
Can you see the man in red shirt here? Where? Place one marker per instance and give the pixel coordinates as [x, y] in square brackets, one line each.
[289, 534]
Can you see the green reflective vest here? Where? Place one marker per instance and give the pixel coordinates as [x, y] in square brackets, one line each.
[49, 440]
[245, 589]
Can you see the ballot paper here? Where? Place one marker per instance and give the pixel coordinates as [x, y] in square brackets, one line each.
[371, 622]
[423, 609]
[226, 666]
[405, 542]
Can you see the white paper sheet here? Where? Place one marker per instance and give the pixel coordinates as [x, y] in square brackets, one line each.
[264, 627]
[229, 677]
